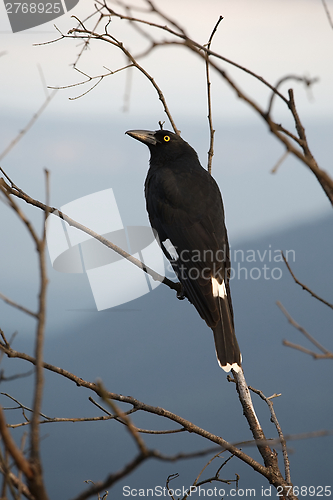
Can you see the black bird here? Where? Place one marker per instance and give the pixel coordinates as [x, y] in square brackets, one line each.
[185, 209]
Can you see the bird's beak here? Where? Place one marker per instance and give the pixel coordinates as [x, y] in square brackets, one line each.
[144, 136]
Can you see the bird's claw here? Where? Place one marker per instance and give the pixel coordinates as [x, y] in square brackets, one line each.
[180, 292]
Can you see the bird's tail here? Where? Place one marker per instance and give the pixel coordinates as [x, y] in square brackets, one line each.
[226, 345]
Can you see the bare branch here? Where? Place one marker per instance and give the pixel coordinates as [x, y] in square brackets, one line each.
[185, 456]
[179, 32]
[209, 99]
[17, 306]
[324, 179]
[39, 348]
[315, 355]
[35, 478]
[20, 405]
[20, 214]
[269, 457]
[329, 17]
[17, 483]
[28, 126]
[327, 354]
[279, 430]
[303, 79]
[3, 378]
[89, 79]
[304, 286]
[113, 478]
[207, 464]
[13, 190]
[20, 461]
[86, 42]
[279, 162]
[124, 418]
[145, 431]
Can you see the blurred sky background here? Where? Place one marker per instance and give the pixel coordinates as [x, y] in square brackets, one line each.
[82, 143]
[77, 138]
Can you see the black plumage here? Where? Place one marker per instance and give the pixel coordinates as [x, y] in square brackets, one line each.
[185, 209]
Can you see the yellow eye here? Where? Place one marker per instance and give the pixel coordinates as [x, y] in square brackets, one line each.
[166, 138]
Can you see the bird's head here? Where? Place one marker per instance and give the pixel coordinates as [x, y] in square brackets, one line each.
[162, 144]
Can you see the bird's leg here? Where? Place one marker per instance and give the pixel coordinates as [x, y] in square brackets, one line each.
[180, 292]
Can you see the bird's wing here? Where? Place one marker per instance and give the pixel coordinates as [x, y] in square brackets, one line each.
[192, 233]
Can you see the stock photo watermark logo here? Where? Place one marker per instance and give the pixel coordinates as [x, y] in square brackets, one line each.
[255, 264]
[250, 264]
[113, 279]
[29, 14]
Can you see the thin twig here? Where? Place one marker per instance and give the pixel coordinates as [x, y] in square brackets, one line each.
[279, 162]
[28, 126]
[325, 180]
[20, 405]
[304, 286]
[4, 189]
[307, 81]
[124, 418]
[17, 306]
[209, 99]
[36, 484]
[20, 461]
[111, 479]
[86, 43]
[171, 477]
[8, 476]
[35, 479]
[10, 378]
[274, 419]
[327, 13]
[303, 331]
[17, 483]
[196, 483]
[185, 456]
[100, 407]
[63, 419]
[206, 465]
[315, 355]
[89, 79]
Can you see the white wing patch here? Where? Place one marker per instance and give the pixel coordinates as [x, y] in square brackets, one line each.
[219, 290]
[170, 249]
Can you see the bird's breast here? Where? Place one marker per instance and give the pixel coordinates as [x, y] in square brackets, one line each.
[182, 189]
